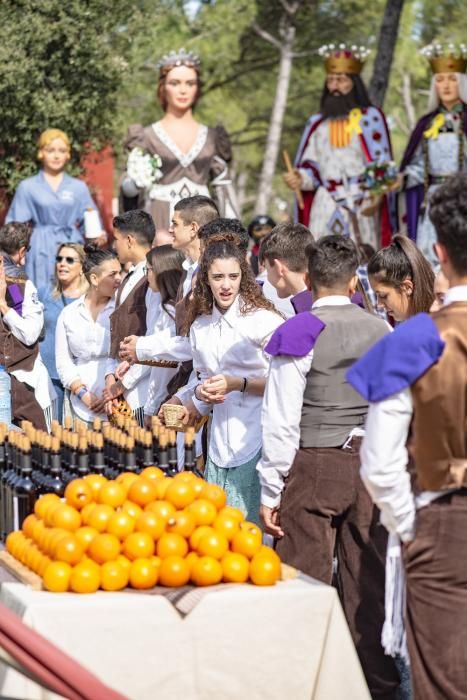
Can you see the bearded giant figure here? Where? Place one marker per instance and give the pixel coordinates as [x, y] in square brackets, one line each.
[337, 146]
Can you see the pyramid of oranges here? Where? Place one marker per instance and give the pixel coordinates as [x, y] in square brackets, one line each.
[141, 531]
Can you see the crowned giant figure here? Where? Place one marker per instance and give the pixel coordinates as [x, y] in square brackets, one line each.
[437, 146]
[337, 145]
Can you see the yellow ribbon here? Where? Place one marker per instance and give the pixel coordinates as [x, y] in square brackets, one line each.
[436, 124]
[353, 125]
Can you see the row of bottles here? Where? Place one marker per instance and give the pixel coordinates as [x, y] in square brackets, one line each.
[33, 462]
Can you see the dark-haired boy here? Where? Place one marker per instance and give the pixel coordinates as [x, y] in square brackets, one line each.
[283, 253]
[133, 235]
[312, 497]
[416, 382]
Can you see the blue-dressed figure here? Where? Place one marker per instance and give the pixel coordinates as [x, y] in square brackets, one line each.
[56, 204]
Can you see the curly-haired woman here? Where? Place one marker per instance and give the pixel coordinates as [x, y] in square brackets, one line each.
[231, 322]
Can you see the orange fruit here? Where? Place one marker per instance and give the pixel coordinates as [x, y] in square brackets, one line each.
[79, 493]
[28, 525]
[54, 536]
[156, 561]
[206, 571]
[114, 576]
[95, 481]
[235, 568]
[171, 545]
[161, 487]
[121, 524]
[104, 548]
[174, 571]
[180, 494]
[85, 577]
[57, 577]
[265, 569]
[142, 491]
[247, 540]
[49, 511]
[66, 517]
[126, 479]
[43, 565]
[124, 561]
[190, 559]
[232, 512]
[138, 545]
[85, 535]
[12, 541]
[215, 494]
[182, 523]
[112, 494]
[152, 473]
[143, 574]
[38, 531]
[69, 549]
[198, 533]
[163, 508]
[99, 517]
[203, 511]
[132, 509]
[151, 523]
[43, 503]
[86, 511]
[213, 544]
[226, 524]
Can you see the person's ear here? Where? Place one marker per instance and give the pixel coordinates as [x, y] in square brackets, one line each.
[353, 285]
[280, 266]
[440, 252]
[308, 281]
[194, 228]
[93, 279]
[407, 287]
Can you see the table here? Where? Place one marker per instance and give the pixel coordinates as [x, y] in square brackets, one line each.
[288, 641]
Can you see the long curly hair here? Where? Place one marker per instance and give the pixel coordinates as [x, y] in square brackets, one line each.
[223, 247]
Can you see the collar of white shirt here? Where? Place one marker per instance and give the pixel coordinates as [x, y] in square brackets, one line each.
[188, 265]
[458, 293]
[138, 266]
[332, 300]
[232, 313]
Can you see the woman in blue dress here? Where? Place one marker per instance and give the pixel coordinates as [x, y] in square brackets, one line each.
[55, 203]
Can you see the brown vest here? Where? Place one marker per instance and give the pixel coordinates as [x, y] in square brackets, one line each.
[438, 442]
[15, 355]
[181, 310]
[129, 318]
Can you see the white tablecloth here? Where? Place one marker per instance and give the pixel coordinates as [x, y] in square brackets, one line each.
[289, 642]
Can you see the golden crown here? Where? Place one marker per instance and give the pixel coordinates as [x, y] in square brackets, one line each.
[446, 58]
[343, 59]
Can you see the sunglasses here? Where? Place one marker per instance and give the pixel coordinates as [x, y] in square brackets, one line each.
[66, 258]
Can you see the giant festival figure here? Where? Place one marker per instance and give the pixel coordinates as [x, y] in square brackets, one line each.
[186, 155]
[337, 145]
[437, 146]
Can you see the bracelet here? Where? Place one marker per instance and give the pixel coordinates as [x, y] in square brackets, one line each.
[245, 384]
[83, 390]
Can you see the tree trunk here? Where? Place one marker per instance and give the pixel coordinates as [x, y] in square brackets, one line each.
[277, 119]
[386, 44]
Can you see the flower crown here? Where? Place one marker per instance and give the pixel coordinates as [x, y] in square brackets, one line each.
[343, 59]
[179, 58]
[446, 58]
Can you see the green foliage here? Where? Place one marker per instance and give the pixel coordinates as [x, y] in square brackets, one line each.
[60, 66]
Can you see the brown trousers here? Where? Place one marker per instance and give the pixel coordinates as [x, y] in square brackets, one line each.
[436, 570]
[25, 405]
[325, 512]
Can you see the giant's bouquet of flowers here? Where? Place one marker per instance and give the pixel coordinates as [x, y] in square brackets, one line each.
[144, 169]
[379, 177]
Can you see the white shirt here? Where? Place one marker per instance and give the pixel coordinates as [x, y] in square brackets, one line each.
[281, 415]
[232, 344]
[27, 328]
[384, 456]
[190, 268]
[160, 376]
[82, 347]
